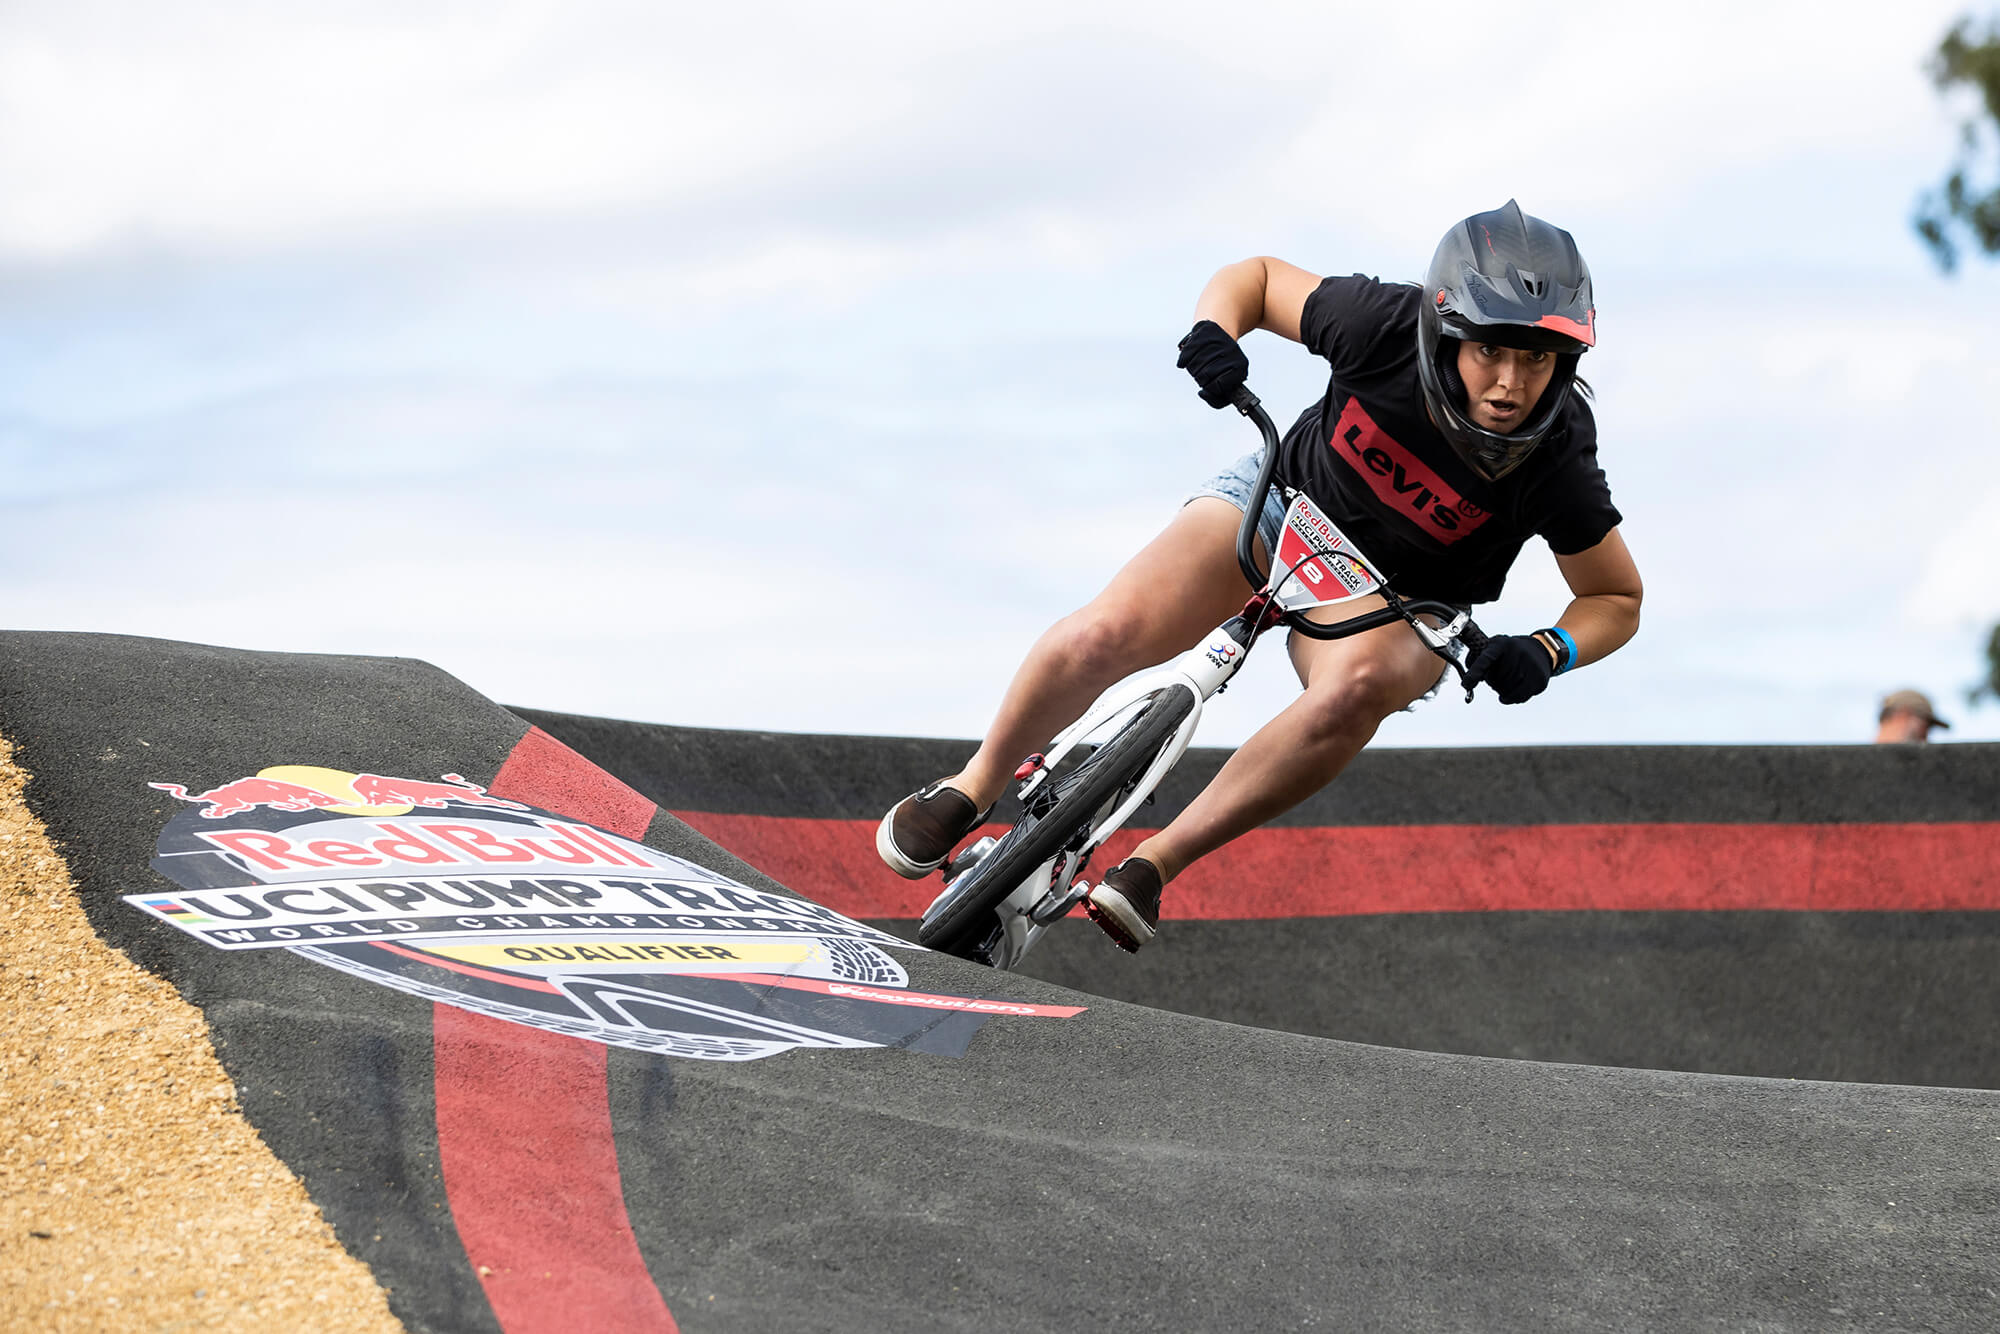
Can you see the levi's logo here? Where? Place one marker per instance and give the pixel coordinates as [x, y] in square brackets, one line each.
[1400, 479]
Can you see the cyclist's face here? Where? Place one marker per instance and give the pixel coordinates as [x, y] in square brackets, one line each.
[1503, 384]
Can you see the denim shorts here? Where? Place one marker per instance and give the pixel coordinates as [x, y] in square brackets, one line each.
[1234, 485]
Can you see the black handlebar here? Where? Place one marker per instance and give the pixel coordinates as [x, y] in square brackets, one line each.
[1248, 404]
[1399, 609]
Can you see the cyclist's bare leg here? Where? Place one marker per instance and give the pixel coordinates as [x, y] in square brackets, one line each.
[1183, 584]
[1351, 685]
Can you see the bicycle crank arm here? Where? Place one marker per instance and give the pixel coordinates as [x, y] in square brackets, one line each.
[1057, 904]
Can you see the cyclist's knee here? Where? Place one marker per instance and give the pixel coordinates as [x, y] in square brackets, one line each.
[1358, 697]
[1102, 640]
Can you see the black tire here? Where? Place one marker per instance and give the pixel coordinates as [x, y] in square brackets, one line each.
[964, 918]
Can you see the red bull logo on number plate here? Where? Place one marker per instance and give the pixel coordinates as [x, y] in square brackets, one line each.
[441, 890]
[1317, 580]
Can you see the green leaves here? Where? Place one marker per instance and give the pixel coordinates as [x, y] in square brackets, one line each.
[1989, 687]
[1967, 57]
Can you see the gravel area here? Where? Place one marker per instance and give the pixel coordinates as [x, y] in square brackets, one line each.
[133, 1193]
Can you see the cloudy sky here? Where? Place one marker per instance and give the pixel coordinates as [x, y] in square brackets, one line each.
[791, 366]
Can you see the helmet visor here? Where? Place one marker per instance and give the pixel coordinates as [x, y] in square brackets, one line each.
[1551, 333]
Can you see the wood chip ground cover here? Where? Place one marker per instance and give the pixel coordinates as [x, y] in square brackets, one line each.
[133, 1193]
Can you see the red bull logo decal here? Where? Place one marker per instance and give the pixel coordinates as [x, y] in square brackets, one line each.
[1322, 579]
[441, 890]
[247, 794]
[304, 788]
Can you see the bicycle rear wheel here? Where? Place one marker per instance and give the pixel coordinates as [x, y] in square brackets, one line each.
[1064, 815]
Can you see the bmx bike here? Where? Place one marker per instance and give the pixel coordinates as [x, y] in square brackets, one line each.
[1002, 893]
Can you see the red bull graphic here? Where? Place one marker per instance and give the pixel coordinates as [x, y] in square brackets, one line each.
[247, 794]
[499, 908]
[358, 790]
[1339, 574]
[381, 790]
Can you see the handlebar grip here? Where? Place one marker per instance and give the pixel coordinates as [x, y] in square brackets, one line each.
[1243, 400]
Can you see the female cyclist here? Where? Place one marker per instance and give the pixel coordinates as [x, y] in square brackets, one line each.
[1450, 433]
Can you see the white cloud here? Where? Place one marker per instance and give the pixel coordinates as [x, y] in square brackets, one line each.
[207, 125]
[634, 304]
[212, 123]
[1959, 583]
[1436, 111]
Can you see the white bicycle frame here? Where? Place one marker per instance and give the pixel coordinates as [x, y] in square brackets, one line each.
[1316, 565]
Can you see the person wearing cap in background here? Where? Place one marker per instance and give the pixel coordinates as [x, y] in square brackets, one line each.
[1907, 716]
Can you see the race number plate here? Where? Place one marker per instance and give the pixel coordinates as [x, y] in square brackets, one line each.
[1338, 573]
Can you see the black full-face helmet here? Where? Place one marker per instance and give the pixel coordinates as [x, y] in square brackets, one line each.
[1513, 281]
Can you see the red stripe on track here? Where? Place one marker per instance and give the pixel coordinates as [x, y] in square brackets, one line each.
[1338, 871]
[524, 1123]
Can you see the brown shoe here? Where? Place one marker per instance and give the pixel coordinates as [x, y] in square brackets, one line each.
[920, 831]
[1127, 903]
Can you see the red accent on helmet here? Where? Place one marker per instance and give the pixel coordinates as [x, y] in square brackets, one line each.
[1585, 333]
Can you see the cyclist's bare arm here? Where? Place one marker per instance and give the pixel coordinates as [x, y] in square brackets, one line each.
[1604, 612]
[1259, 293]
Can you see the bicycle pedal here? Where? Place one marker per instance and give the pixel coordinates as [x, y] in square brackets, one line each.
[1104, 924]
[967, 859]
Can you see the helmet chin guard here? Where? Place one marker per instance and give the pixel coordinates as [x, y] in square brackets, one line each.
[1514, 281]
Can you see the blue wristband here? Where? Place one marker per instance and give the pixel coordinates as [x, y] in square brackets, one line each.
[1566, 648]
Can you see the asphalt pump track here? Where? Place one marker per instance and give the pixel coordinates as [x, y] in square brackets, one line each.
[567, 1023]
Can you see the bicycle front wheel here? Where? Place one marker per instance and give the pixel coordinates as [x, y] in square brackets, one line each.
[963, 917]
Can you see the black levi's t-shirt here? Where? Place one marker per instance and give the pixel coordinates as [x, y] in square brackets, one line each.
[1368, 455]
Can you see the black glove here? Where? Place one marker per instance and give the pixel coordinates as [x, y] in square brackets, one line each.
[1516, 666]
[1216, 362]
